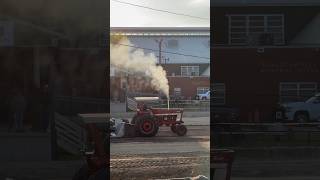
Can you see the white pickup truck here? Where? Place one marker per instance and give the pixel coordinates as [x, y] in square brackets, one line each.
[302, 111]
[204, 96]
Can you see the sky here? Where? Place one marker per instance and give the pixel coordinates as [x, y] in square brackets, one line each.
[124, 15]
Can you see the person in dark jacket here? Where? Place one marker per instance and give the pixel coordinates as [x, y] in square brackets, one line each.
[18, 106]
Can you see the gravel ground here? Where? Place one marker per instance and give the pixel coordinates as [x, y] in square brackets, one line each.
[160, 165]
[164, 156]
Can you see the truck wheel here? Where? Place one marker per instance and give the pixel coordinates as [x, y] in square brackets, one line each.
[173, 128]
[204, 98]
[181, 130]
[301, 117]
[146, 126]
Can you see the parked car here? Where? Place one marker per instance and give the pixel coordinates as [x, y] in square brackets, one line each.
[204, 96]
[301, 111]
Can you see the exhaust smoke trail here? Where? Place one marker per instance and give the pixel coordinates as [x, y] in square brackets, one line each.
[137, 62]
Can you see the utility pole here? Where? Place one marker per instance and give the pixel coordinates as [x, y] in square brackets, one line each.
[160, 49]
[165, 60]
[160, 45]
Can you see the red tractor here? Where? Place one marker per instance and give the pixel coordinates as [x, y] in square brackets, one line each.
[147, 120]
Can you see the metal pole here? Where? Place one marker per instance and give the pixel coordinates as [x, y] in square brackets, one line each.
[160, 44]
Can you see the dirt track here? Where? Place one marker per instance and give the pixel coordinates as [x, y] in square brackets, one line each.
[164, 156]
[163, 165]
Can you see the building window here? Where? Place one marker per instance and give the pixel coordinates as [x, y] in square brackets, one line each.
[202, 90]
[297, 91]
[218, 94]
[189, 70]
[256, 29]
[177, 91]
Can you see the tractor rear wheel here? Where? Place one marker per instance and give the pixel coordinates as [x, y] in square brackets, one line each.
[146, 126]
[181, 130]
[174, 128]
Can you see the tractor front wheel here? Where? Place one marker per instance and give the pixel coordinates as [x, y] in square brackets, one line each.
[146, 126]
[181, 130]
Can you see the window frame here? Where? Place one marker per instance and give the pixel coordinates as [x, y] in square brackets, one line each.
[188, 74]
[174, 91]
[247, 27]
[298, 90]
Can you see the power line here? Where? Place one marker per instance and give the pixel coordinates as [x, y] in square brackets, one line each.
[160, 10]
[168, 52]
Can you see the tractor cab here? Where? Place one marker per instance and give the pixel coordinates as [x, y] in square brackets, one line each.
[145, 104]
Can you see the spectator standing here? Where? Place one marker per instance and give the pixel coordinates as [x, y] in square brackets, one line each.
[18, 105]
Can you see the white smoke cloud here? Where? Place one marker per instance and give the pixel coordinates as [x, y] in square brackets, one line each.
[137, 62]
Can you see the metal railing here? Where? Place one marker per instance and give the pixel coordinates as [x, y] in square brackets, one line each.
[70, 133]
[187, 105]
[291, 133]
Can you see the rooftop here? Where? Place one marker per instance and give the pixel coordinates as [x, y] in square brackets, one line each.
[160, 31]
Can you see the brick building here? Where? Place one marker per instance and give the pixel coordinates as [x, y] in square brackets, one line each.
[265, 53]
[184, 56]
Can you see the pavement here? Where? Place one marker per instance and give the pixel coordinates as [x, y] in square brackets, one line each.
[147, 147]
[118, 110]
[188, 120]
[191, 118]
[196, 140]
